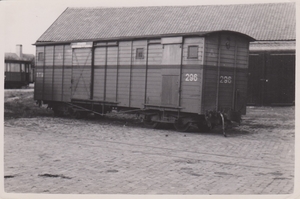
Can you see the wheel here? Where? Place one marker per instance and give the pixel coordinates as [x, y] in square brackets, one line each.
[181, 126]
[78, 115]
[149, 123]
[205, 127]
[57, 112]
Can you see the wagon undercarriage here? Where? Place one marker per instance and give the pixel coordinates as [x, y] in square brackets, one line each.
[152, 116]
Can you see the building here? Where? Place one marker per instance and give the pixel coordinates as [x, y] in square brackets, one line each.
[272, 73]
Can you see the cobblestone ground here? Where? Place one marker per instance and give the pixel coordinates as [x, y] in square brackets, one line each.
[106, 156]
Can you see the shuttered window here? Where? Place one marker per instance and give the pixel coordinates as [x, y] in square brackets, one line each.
[140, 53]
[15, 67]
[41, 56]
[193, 52]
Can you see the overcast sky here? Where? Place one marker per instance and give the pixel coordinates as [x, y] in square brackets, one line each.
[26, 20]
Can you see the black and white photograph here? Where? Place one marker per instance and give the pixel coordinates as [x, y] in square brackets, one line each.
[179, 99]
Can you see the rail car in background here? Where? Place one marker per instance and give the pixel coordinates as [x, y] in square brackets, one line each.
[18, 73]
[191, 79]
[18, 69]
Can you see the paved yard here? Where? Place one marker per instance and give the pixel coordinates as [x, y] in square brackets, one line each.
[64, 155]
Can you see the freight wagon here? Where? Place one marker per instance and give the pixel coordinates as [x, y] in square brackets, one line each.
[183, 79]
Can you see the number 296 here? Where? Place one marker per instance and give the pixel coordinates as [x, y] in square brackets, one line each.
[191, 77]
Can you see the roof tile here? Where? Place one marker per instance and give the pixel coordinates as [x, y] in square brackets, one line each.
[275, 21]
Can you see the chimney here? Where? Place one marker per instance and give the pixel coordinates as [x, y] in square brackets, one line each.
[19, 50]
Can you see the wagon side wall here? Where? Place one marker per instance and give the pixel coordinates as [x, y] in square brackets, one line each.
[153, 95]
[192, 75]
[138, 74]
[225, 72]
[53, 73]
[117, 73]
[39, 73]
[125, 62]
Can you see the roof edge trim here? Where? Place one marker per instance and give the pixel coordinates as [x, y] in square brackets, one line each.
[38, 43]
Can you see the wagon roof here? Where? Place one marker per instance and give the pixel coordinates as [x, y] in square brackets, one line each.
[14, 56]
[274, 21]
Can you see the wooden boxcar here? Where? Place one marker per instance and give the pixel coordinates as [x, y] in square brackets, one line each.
[180, 79]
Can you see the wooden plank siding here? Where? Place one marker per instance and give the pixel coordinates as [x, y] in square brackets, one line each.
[153, 95]
[81, 73]
[48, 72]
[193, 41]
[39, 74]
[153, 86]
[191, 88]
[58, 72]
[229, 52]
[53, 73]
[138, 75]
[67, 74]
[47, 95]
[119, 75]
[111, 74]
[124, 73]
[209, 89]
[99, 73]
[57, 84]
[66, 87]
[226, 89]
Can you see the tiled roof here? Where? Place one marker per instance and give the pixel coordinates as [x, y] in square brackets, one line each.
[276, 21]
[272, 45]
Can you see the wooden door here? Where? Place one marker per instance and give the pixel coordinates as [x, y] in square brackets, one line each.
[271, 79]
[256, 79]
[171, 61]
[169, 90]
[81, 73]
[171, 54]
[279, 79]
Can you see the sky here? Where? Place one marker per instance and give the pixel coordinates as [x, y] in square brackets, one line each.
[24, 21]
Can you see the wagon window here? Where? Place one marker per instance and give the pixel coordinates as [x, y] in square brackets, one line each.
[15, 67]
[22, 67]
[140, 53]
[40, 56]
[7, 67]
[26, 68]
[193, 52]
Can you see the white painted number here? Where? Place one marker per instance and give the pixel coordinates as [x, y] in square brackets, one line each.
[225, 79]
[191, 77]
